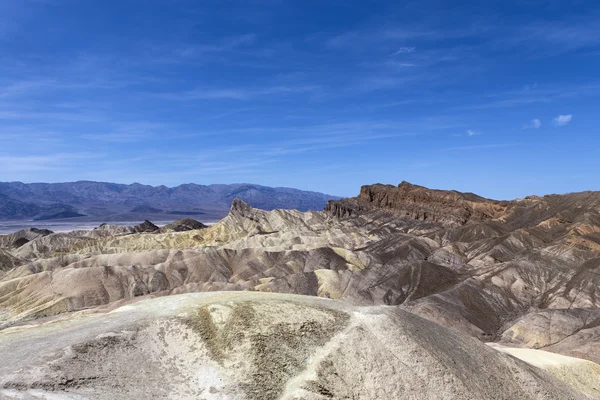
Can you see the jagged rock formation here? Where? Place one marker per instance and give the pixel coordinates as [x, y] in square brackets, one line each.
[146, 227]
[453, 209]
[104, 230]
[420, 203]
[538, 253]
[266, 346]
[22, 237]
[522, 273]
[182, 225]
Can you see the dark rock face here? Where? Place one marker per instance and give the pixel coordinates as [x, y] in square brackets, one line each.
[419, 203]
[452, 208]
[144, 208]
[20, 242]
[7, 261]
[22, 237]
[240, 208]
[15, 208]
[146, 227]
[60, 215]
[185, 224]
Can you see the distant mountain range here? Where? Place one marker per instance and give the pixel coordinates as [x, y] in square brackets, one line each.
[110, 201]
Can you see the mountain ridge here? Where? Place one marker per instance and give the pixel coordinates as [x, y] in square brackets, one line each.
[101, 199]
[458, 208]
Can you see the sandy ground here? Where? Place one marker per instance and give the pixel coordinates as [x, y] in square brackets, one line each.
[581, 374]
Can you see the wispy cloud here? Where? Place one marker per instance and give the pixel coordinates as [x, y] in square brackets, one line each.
[533, 124]
[360, 38]
[127, 132]
[333, 142]
[223, 45]
[182, 168]
[530, 95]
[115, 137]
[235, 93]
[321, 131]
[281, 97]
[28, 88]
[28, 115]
[319, 137]
[562, 120]
[405, 50]
[382, 80]
[550, 38]
[19, 164]
[477, 147]
[25, 87]
[468, 133]
[399, 64]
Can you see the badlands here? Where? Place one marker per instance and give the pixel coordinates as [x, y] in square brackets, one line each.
[400, 292]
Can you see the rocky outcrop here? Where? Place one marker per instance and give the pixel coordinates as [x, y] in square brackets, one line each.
[105, 230]
[146, 227]
[420, 203]
[182, 225]
[552, 213]
[22, 237]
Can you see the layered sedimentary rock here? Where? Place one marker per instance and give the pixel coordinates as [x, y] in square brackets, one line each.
[419, 203]
[522, 273]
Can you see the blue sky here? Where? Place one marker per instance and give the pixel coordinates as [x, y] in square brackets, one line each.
[501, 98]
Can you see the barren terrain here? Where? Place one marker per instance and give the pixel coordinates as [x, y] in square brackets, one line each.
[421, 280]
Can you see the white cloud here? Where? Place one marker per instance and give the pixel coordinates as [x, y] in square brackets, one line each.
[404, 50]
[236, 93]
[562, 120]
[534, 124]
[477, 147]
[396, 64]
[468, 132]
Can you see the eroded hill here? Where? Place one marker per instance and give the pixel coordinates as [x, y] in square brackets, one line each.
[265, 346]
[522, 273]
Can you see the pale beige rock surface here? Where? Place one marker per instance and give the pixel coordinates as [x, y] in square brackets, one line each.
[260, 346]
